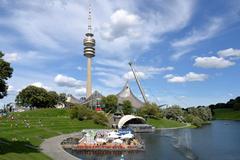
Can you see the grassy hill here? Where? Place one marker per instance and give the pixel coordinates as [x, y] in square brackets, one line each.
[20, 137]
[226, 114]
[18, 142]
[164, 123]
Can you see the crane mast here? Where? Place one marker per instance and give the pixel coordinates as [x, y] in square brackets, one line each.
[138, 82]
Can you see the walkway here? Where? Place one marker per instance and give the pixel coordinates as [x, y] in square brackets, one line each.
[52, 147]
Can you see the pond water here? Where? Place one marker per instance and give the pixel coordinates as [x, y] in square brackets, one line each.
[218, 141]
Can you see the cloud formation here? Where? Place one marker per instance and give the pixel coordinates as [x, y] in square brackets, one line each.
[189, 77]
[66, 81]
[230, 52]
[12, 57]
[212, 62]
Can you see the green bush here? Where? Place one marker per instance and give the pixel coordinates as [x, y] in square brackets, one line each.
[175, 113]
[81, 113]
[74, 112]
[189, 118]
[100, 118]
[127, 107]
[150, 110]
[236, 106]
[198, 122]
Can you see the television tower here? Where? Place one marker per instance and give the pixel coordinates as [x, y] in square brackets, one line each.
[89, 51]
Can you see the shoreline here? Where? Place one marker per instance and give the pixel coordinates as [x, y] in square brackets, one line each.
[188, 125]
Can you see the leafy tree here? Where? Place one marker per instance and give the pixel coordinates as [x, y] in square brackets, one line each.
[150, 110]
[62, 98]
[5, 73]
[53, 98]
[100, 118]
[202, 112]
[110, 103]
[127, 107]
[196, 121]
[175, 112]
[37, 97]
[236, 106]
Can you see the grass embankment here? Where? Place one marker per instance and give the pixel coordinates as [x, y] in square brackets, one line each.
[17, 142]
[226, 114]
[164, 123]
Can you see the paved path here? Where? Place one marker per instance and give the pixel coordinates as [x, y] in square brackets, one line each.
[52, 147]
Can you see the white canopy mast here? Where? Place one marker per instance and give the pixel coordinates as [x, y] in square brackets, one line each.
[138, 82]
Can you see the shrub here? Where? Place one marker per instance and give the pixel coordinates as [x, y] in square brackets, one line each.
[150, 110]
[74, 112]
[127, 107]
[197, 121]
[81, 113]
[236, 106]
[100, 118]
[175, 112]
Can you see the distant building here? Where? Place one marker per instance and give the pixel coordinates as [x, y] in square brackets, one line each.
[127, 94]
[72, 99]
[94, 100]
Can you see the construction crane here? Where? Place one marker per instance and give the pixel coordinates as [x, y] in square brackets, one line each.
[138, 82]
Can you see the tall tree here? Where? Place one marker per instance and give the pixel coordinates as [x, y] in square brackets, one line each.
[127, 107]
[5, 73]
[110, 103]
[37, 97]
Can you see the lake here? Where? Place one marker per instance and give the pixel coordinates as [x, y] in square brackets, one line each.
[217, 141]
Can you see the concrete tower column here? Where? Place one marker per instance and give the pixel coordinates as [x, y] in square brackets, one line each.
[89, 77]
[89, 52]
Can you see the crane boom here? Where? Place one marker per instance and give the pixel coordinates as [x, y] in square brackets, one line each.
[138, 83]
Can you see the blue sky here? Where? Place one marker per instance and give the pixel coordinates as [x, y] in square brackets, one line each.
[186, 52]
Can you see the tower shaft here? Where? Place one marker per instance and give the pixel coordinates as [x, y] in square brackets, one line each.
[89, 52]
[89, 77]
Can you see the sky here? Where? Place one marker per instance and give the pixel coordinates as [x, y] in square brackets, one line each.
[185, 52]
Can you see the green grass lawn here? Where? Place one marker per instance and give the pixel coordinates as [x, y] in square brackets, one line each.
[17, 142]
[164, 123]
[226, 114]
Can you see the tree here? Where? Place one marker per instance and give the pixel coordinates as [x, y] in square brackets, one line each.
[150, 110]
[236, 106]
[127, 107]
[110, 103]
[62, 98]
[175, 112]
[100, 118]
[5, 73]
[37, 97]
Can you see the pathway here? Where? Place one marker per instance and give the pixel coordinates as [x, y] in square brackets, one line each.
[52, 147]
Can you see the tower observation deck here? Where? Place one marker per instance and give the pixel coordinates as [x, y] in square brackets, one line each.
[89, 52]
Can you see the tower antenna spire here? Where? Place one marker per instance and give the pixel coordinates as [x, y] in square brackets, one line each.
[89, 17]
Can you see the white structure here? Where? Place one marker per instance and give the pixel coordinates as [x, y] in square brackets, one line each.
[127, 94]
[130, 118]
[89, 52]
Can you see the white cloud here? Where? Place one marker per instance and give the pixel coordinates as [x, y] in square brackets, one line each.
[129, 75]
[110, 79]
[122, 23]
[189, 77]
[10, 88]
[80, 91]
[230, 52]
[12, 57]
[196, 36]
[212, 62]
[66, 81]
[39, 84]
[184, 45]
